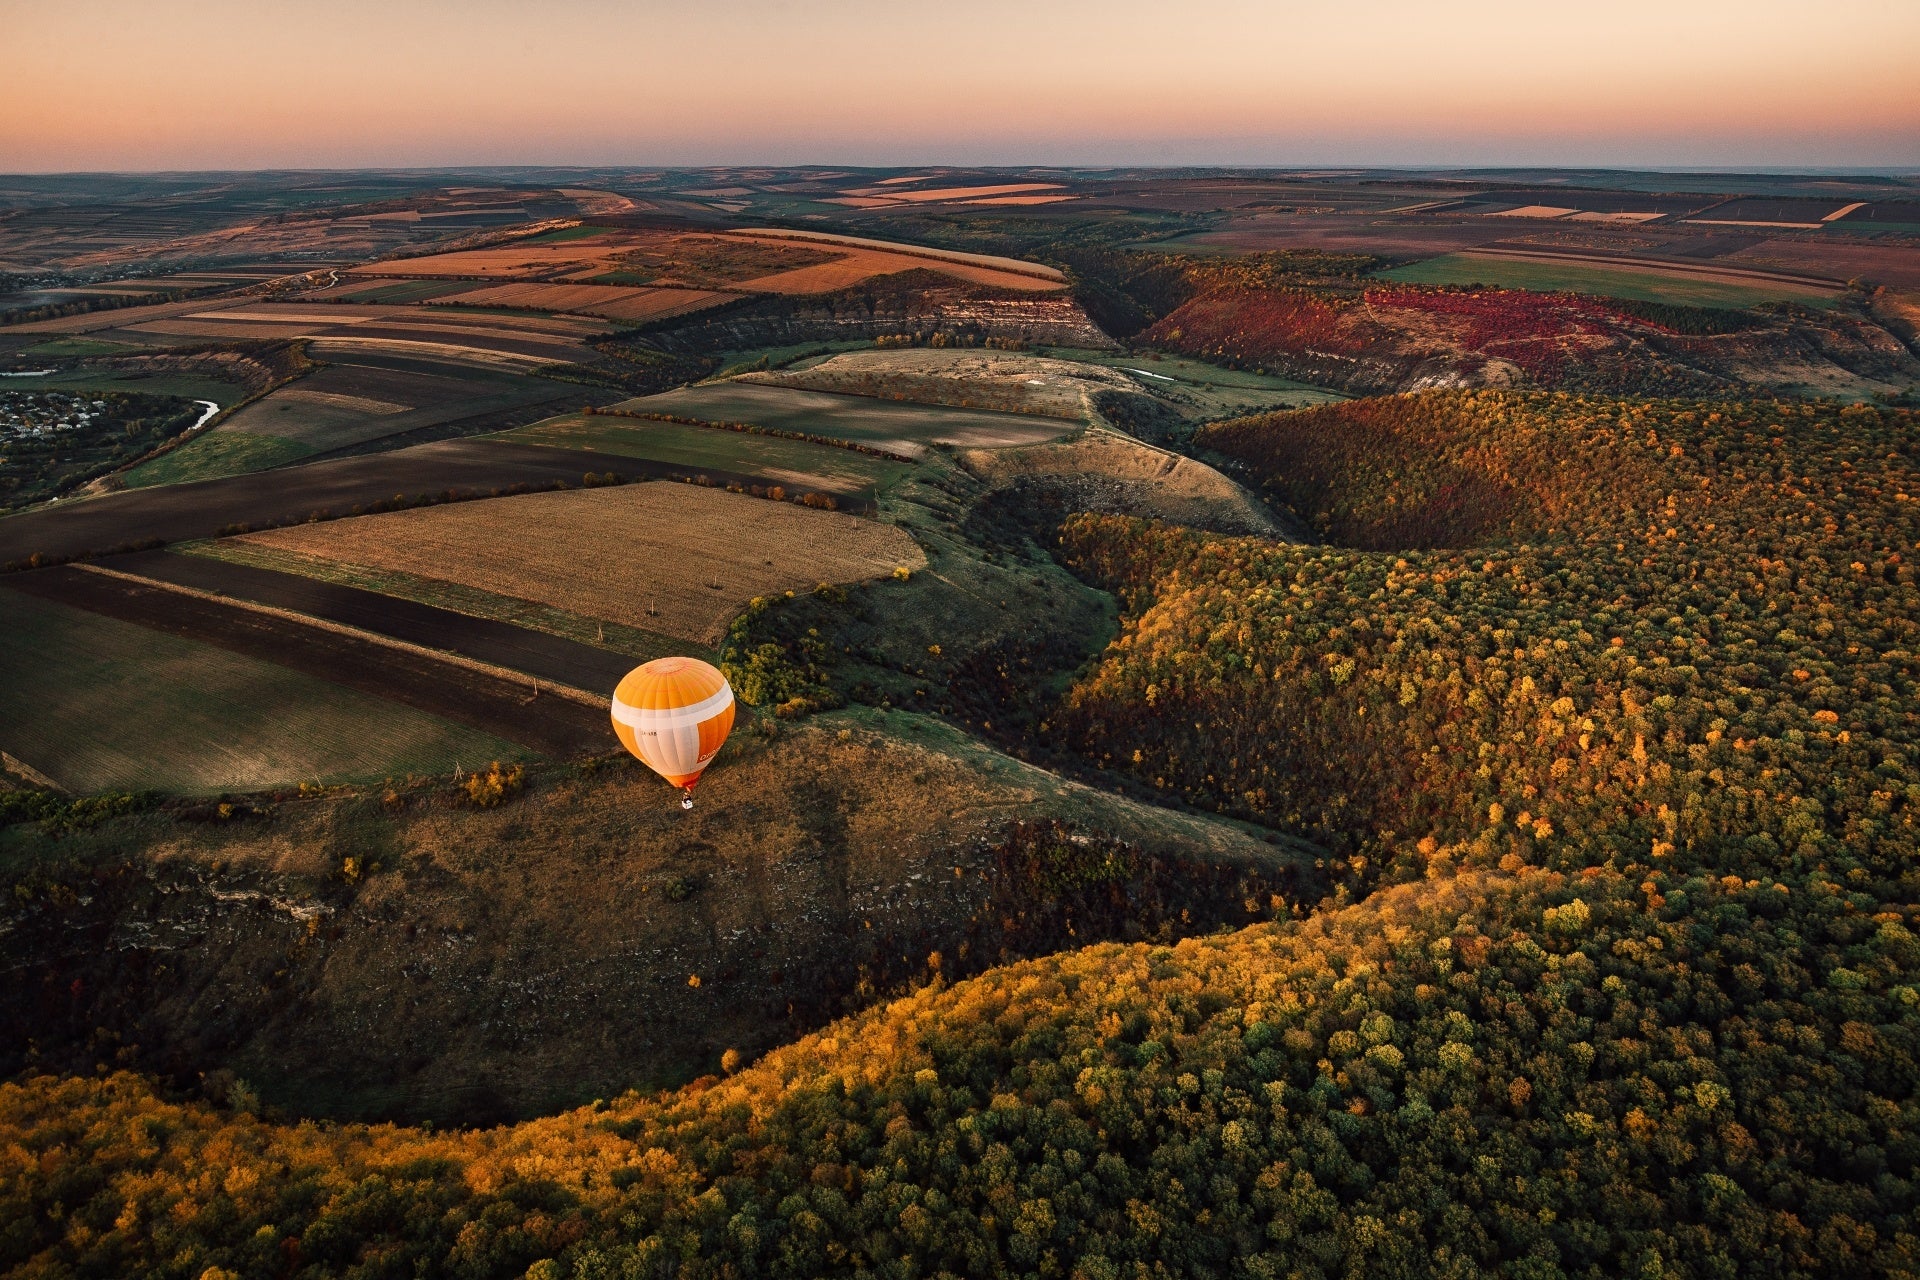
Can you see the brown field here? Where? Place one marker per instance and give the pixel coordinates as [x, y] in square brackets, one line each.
[706, 259]
[615, 302]
[692, 556]
[913, 250]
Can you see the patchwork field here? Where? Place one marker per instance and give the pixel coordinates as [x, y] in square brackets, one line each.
[345, 406]
[179, 512]
[794, 262]
[795, 464]
[899, 428]
[501, 339]
[675, 559]
[611, 301]
[1685, 287]
[235, 566]
[101, 704]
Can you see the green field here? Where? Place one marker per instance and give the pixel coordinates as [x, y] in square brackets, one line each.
[78, 347]
[793, 463]
[798, 354]
[188, 385]
[216, 454]
[1604, 281]
[564, 234]
[613, 636]
[1204, 389]
[98, 704]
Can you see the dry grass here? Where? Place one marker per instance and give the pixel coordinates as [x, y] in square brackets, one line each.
[693, 556]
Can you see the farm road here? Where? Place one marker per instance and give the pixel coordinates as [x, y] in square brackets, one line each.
[174, 513]
[502, 644]
[548, 724]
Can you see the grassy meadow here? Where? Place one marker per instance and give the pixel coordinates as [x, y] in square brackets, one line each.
[98, 704]
[1638, 285]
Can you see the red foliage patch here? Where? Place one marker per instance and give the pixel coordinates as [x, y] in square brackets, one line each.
[1259, 326]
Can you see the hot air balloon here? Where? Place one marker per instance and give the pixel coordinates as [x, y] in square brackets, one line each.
[673, 713]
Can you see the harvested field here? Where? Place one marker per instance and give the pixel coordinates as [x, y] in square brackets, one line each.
[99, 703]
[179, 512]
[796, 465]
[1007, 382]
[612, 301]
[1895, 263]
[694, 556]
[905, 429]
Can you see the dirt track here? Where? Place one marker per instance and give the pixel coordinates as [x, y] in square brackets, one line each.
[500, 643]
[512, 710]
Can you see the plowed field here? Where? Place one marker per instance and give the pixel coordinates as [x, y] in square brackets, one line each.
[678, 560]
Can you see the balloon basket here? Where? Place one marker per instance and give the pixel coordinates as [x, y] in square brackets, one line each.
[686, 801]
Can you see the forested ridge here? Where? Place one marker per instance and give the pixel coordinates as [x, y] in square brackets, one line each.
[1606, 710]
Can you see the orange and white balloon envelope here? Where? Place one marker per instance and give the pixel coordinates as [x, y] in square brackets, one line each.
[674, 714]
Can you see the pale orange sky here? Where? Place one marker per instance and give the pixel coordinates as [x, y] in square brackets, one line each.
[177, 84]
